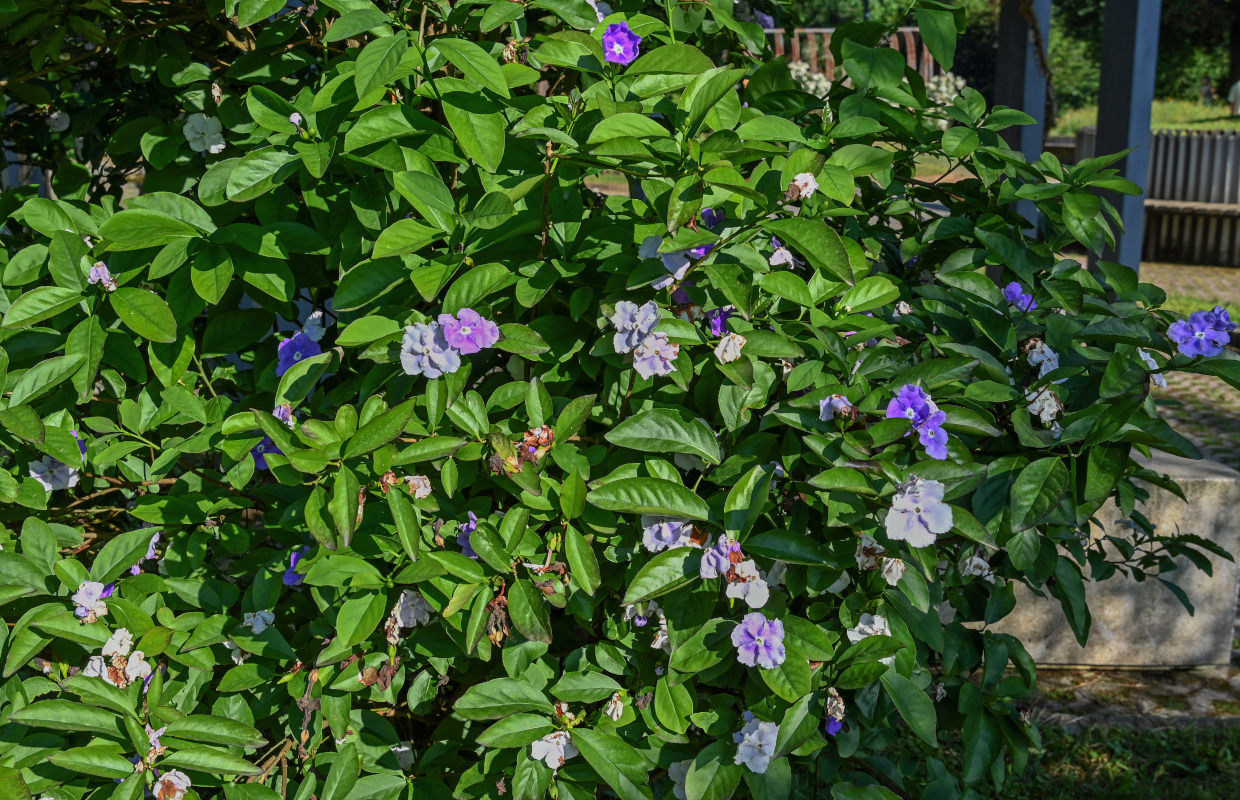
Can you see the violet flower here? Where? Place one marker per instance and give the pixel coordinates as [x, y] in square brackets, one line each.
[291, 576]
[100, 274]
[297, 347]
[462, 537]
[53, 474]
[717, 319]
[663, 533]
[759, 641]
[719, 559]
[468, 332]
[712, 218]
[620, 44]
[260, 451]
[835, 405]
[914, 404]
[1204, 333]
[425, 351]
[1015, 294]
[89, 599]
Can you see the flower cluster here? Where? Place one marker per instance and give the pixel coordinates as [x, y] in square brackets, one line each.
[1015, 294]
[914, 404]
[434, 349]
[116, 664]
[652, 353]
[725, 560]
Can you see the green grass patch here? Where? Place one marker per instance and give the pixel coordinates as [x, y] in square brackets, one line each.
[1187, 304]
[1166, 114]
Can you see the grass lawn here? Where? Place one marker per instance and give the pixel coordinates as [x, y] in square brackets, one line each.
[1166, 114]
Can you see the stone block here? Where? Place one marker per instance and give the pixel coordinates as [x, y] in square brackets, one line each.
[1142, 624]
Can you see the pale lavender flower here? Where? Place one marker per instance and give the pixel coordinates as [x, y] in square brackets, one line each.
[764, 19]
[284, 413]
[756, 742]
[835, 405]
[468, 332]
[918, 514]
[425, 351]
[291, 576]
[719, 559]
[296, 119]
[620, 44]
[1015, 294]
[89, 599]
[633, 323]
[654, 356]
[99, 274]
[53, 474]
[297, 347]
[464, 529]
[662, 533]
[641, 613]
[315, 326]
[258, 621]
[419, 486]
[1155, 371]
[759, 641]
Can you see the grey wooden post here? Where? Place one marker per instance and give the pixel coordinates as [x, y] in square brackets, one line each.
[1125, 101]
[1019, 82]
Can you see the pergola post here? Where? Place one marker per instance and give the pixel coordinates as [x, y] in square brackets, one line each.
[1019, 81]
[1125, 101]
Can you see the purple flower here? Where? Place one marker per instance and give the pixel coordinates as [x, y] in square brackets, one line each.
[462, 537]
[654, 356]
[89, 599]
[53, 474]
[468, 332]
[764, 19]
[297, 347]
[701, 251]
[620, 43]
[719, 559]
[99, 273]
[151, 553]
[712, 218]
[284, 413]
[912, 403]
[261, 450]
[633, 323]
[717, 318]
[82, 444]
[291, 576]
[759, 641]
[425, 351]
[662, 533]
[782, 255]
[1204, 333]
[834, 726]
[1015, 294]
[681, 297]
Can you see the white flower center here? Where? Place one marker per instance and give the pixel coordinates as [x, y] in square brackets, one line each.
[465, 330]
[297, 355]
[617, 48]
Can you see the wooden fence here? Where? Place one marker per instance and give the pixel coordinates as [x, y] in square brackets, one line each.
[813, 46]
[1192, 197]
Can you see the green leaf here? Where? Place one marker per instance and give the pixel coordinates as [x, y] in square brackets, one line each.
[1038, 489]
[528, 609]
[747, 501]
[39, 304]
[478, 127]
[664, 573]
[66, 715]
[145, 313]
[343, 774]
[582, 563]
[584, 687]
[619, 765]
[516, 731]
[379, 431]
[354, 23]
[788, 286]
[664, 430]
[820, 245]
[44, 377]
[140, 228]
[914, 705]
[102, 762]
[252, 11]
[270, 109]
[794, 548]
[359, 617]
[214, 730]
[474, 62]
[258, 171]
[429, 197]
[499, 698]
[870, 293]
[377, 63]
[938, 31]
[649, 496]
[120, 553]
[713, 775]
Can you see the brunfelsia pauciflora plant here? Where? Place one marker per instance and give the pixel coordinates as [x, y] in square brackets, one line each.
[390, 459]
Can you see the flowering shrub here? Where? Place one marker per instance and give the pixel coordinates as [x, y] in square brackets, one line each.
[376, 455]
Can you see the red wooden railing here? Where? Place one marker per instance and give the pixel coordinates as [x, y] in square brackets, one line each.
[813, 46]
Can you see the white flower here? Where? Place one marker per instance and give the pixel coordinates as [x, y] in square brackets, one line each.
[902, 309]
[1044, 404]
[1043, 358]
[118, 644]
[52, 474]
[662, 637]
[729, 348]
[315, 326]
[614, 708]
[172, 785]
[977, 566]
[756, 744]
[234, 650]
[419, 485]
[137, 667]
[257, 621]
[639, 615]
[803, 186]
[58, 122]
[203, 134]
[841, 583]
[554, 749]
[775, 575]
[411, 609]
[871, 625]
[678, 771]
[97, 667]
[893, 570]
[868, 552]
[1156, 376]
[296, 119]
[918, 514]
[745, 583]
[404, 755]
